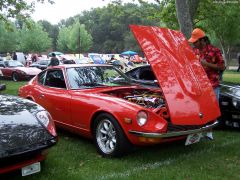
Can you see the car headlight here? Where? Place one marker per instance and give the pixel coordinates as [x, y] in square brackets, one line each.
[236, 102]
[46, 120]
[42, 116]
[142, 118]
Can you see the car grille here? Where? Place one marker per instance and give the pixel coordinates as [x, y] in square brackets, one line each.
[177, 128]
[18, 159]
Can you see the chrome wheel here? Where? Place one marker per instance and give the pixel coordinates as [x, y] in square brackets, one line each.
[106, 136]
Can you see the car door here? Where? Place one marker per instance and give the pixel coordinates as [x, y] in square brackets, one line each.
[52, 94]
[6, 71]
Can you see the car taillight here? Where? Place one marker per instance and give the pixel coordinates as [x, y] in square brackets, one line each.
[45, 118]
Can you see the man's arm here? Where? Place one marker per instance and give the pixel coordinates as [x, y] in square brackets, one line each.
[219, 67]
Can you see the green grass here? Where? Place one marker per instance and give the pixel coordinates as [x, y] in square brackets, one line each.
[231, 76]
[12, 87]
[75, 157]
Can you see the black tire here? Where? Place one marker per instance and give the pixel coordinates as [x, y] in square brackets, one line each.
[15, 77]
[113, 137]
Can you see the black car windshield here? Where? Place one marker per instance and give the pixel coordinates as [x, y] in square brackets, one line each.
[15, 64]
[96, 76]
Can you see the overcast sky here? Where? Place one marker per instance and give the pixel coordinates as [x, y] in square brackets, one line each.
[63, 9]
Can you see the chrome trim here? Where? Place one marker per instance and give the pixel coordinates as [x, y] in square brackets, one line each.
[173, 134]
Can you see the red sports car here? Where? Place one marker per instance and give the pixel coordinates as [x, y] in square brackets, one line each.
[16, 70]
[100, 102]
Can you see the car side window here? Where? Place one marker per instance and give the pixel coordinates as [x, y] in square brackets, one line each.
[55, 78]
[41, 77]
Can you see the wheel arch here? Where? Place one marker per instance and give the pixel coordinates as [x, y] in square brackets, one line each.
[101, 112]
[15, 72]
[30, 98]
[123, 144]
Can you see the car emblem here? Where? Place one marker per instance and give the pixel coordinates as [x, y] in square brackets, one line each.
[201, 115]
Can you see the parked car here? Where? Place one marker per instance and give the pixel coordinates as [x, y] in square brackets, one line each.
[27, 131]
[16, 71]
[143, 75]
[21, 57]
[229, 102]
[100, 102]
[84, 60]
[96, 58]
[41, 64]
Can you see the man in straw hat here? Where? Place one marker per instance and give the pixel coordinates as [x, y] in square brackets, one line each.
[209, 56]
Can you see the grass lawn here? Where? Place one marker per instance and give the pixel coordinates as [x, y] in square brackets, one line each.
[231, 76]
[75, 157]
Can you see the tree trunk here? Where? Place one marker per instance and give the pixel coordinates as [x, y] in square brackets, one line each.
[184, 17]
[193, 5]
[224, 52]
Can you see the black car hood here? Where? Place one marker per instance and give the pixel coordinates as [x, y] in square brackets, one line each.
[231, 89]
[20, 131]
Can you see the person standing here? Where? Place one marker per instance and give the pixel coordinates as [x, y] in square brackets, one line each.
[14, 56]
[210, 57]
[8, 57]
[34, 58]
[54, 60]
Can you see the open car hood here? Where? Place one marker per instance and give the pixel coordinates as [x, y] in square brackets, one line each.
[186, 87]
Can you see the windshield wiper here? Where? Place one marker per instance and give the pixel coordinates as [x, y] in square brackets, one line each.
[93, 84]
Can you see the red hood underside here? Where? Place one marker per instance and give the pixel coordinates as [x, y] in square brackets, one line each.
[187, 90]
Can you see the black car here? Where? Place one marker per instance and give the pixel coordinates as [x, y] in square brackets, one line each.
[229, 100]
[26, 133]
[41, 64]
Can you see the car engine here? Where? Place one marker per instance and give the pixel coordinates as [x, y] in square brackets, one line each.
[150, 99]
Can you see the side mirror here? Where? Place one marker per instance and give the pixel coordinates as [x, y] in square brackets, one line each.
[2, 87]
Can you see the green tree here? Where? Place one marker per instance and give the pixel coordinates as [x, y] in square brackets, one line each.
[109, 25]
[224, 28]
[52, 30]
[9, 39]
[18, 9]
[62, 39]
[74, 38]
[34, 39]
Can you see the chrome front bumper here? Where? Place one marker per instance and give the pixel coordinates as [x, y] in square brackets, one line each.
[174, 134]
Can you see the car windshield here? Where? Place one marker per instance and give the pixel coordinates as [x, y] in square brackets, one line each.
[96, 76]
[15, 64]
